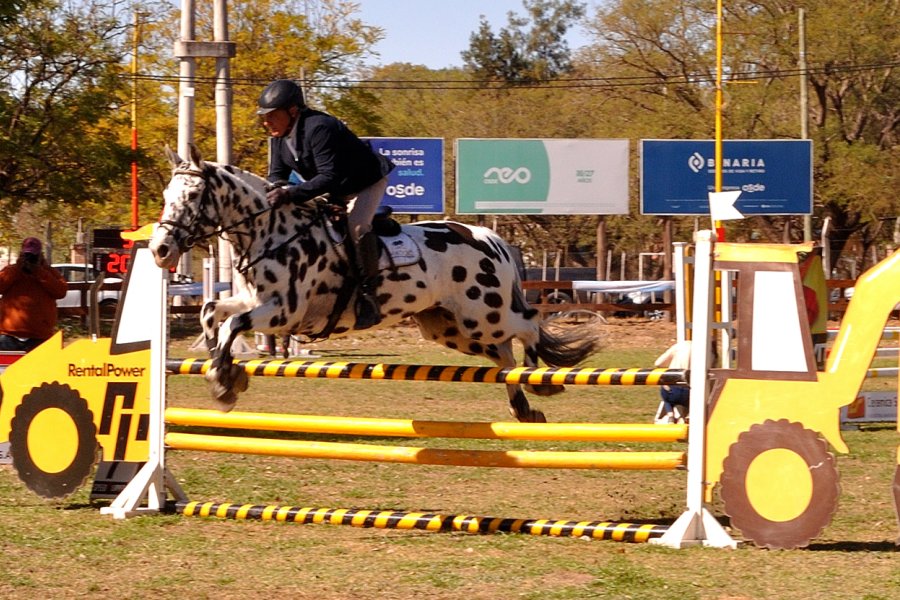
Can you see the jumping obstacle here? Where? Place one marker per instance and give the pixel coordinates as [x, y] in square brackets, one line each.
[411, 455]
[522, 459]
[391, 519]
[147, 492]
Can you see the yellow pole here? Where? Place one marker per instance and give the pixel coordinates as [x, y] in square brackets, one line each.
[720, 229]
[592, 432]
[521, 459]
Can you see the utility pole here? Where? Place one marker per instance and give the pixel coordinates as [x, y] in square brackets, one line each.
[224, 136]
[187, 50]
[804, 106]
[134, 132]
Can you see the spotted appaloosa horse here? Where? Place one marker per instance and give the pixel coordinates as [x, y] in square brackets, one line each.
[461, 285]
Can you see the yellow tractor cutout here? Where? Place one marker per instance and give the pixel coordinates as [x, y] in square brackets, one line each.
[768, 413]
[63, 407]
[771, 411]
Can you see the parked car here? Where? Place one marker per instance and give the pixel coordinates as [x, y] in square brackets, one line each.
[107, 300]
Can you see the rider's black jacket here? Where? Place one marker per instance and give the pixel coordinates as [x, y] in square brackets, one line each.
[330, 159]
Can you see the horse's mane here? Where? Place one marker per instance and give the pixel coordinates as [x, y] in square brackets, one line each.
[251, 180]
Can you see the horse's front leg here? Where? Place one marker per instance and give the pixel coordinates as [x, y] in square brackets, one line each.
[225, 379]
[209, 321]
[216, 311]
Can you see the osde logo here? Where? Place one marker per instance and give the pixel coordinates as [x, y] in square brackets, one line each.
[403, 191]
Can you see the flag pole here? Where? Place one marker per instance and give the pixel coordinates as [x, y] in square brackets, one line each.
[717, 225]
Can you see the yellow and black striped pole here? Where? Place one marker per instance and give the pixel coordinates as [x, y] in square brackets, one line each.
[423, 521]
[400, 372]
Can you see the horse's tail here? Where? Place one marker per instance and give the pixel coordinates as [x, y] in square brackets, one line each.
[566, 345]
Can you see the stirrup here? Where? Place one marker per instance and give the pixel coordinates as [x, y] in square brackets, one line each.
[367, 312]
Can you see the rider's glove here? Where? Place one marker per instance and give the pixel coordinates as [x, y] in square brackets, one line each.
[278, 196]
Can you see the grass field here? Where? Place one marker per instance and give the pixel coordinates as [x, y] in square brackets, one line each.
[66, 549]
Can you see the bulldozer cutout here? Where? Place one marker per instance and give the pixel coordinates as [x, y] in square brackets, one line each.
[772, 413]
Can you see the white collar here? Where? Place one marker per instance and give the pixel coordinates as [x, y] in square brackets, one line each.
[291, 138]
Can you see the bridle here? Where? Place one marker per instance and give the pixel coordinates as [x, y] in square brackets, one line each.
[200, 221]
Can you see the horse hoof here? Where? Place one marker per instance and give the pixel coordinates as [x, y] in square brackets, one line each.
[225, 403]
[223, 397]
[224, 387]
[240, 381]
[536, 416]
[532, 415]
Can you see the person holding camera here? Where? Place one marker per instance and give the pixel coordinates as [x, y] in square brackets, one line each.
[29, 289]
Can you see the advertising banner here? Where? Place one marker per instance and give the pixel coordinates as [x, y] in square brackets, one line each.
[416, 186]
[542, 176]
[773, 176]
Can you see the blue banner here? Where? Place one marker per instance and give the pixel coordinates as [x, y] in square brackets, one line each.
[416, 186]
[774, 176]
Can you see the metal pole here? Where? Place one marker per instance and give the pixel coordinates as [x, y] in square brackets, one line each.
[223, 86]
[187, 67]
[224, 133]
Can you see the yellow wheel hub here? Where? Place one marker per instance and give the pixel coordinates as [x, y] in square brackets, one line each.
[779, 485]
[54, 425]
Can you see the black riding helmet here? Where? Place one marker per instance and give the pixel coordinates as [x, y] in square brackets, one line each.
[281, 93]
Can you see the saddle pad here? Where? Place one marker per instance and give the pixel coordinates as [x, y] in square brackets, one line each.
[401, 251]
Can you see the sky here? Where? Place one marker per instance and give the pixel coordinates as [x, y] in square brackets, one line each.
[434, 32]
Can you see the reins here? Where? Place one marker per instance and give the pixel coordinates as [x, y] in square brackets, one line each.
[243, 262]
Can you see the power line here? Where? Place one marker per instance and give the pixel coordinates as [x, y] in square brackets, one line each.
[558, 83]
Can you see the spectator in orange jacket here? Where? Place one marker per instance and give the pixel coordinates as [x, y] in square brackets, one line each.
[30, 289]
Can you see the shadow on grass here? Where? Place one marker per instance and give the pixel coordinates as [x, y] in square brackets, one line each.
[885, 546]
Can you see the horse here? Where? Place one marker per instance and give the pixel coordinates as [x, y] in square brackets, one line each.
[459, 283]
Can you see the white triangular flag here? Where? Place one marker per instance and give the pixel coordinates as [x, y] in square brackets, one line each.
[721, 206]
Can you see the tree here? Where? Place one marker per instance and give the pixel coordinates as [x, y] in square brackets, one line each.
[10, 9]
[520, 55]
[665, 48]
[320, 44]
[854, 54]
[60, 93]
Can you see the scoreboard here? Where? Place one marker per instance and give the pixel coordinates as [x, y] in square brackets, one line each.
[110, 253]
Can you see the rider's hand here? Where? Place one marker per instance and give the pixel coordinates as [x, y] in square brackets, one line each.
[278, 196]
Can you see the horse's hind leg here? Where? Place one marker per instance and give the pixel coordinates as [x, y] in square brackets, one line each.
[521, 409]
[438, 325]
[542, 389]
[519, 406]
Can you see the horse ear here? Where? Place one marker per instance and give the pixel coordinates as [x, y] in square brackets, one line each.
[173, 157]
[196, 160]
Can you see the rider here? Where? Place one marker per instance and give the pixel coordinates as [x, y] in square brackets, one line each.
[332, 160]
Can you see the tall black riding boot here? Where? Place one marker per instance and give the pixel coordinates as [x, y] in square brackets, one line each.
[368, 313]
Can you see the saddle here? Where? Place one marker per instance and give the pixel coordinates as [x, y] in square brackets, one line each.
[397, 249]
[383, 224]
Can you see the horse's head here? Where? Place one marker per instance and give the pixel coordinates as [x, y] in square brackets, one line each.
[188, 215]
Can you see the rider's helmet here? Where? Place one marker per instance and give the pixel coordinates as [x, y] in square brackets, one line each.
[281, 93]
